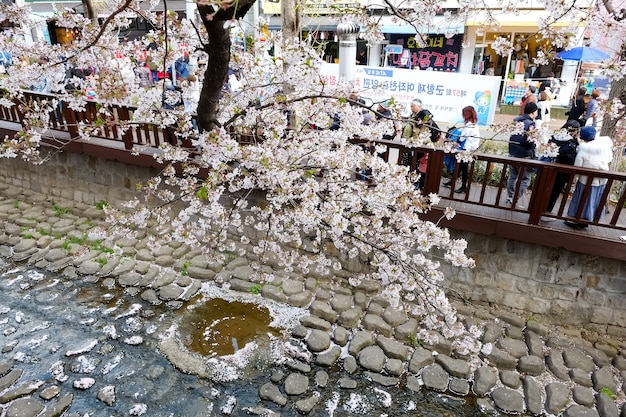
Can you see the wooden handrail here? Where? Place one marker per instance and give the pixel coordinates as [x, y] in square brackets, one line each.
[489, 192]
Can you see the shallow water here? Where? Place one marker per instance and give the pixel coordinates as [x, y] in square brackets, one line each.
[52, 320]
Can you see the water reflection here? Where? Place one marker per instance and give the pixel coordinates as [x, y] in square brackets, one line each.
[221, 327]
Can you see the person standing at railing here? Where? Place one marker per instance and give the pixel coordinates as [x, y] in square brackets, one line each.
[521, 146]
[420, 118]
[592, 153]
[566, 139]
[469, 140]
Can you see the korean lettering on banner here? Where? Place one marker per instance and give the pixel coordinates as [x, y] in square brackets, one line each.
[441, 53]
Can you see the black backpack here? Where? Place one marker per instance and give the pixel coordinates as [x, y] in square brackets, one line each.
[567, 152]
[426, 119]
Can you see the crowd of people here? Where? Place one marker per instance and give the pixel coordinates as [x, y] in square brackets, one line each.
[576, 143]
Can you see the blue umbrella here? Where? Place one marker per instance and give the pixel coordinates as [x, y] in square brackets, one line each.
[583, 53]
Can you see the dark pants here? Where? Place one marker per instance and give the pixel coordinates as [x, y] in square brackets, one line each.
[562, 178]
[463, 170]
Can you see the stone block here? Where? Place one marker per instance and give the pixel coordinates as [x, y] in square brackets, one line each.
[601, 315]
[516, 300]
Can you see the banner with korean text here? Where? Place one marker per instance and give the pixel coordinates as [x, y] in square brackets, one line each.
[443, 93]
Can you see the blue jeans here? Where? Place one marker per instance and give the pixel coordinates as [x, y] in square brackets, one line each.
[514, 173]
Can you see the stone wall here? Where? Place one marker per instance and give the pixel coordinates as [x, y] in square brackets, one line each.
[551, 285]
[548, 284]
[76, 177]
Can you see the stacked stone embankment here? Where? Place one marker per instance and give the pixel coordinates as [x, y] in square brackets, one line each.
[529, 367]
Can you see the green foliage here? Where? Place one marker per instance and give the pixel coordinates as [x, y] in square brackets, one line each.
[185, 270]
[256, 289]
[16, 204]
[101, 204]
[69, 241]
[606, 391]
[58, 210]
[97, 246]
[43, 232]
[415, 342]
[202, 194]
[102, 260]
[27, 236]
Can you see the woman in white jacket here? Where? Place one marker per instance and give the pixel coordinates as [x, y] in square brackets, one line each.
[592, 153]
[470, 140]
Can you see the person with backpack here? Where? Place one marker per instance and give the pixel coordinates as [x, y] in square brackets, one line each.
[567, 142]
[520, 146]
[469, 140]
[420, 118]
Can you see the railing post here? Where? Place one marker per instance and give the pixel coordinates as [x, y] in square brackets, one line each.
[541, 190]
[127, 137]
[70, 119]
[433, 171]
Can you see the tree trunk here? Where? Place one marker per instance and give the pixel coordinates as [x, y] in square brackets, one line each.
[290, 13]
[618, 90]
[218, 50]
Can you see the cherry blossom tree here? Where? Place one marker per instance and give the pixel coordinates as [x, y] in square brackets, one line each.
[299, 196]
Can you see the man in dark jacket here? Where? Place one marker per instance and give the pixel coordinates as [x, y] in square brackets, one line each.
[520, 146]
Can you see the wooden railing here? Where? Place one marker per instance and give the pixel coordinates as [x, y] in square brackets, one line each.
[64, 119]
[488, 190]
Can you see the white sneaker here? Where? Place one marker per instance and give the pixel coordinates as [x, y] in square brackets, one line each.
[547, 219]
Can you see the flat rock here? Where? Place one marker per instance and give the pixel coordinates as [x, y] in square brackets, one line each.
[404, 331]
[510, 378]
[459, 386]
[435, 377]
[603, 378]
[531, 365]
[392, 348]
[556, 365]
[296, 384]
[24, 407]
[372, 358]
[455, 367]
[507, 400]
[557, 397]
[314, 322]
[385, 381]
[318, 340]
[583, 396]
[271, 393]
[575, 358]
[329, 357]
[420, 359]
[305, 405]
[580, 411]
[360, 340]
[606, 407]
[513, 347]
[377, 324]
[502, 359]
[485, 379]
[323, 310]
[533, 395]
